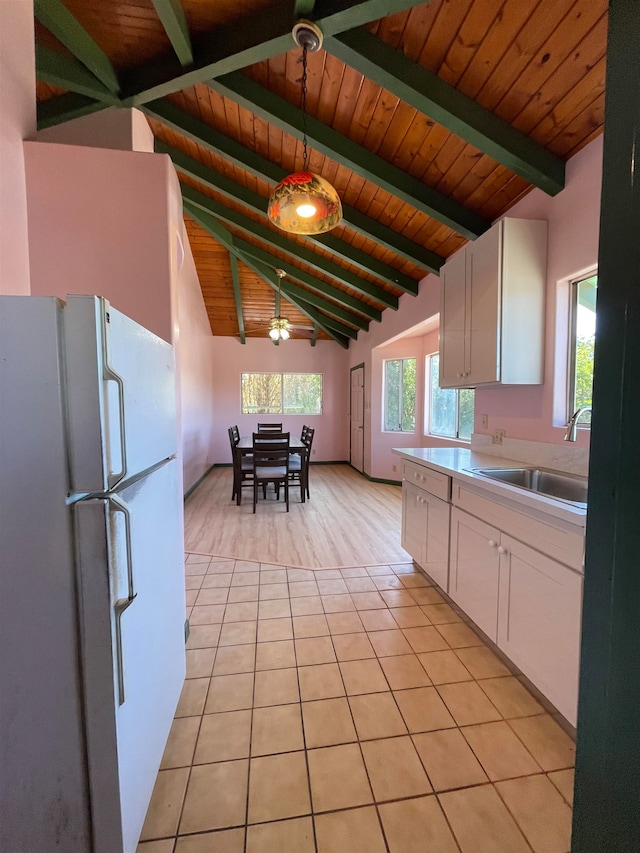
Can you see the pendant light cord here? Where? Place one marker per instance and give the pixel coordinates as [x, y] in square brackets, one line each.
[304, 108]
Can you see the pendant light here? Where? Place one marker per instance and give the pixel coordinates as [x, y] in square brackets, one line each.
[279, 326]
[305, 203]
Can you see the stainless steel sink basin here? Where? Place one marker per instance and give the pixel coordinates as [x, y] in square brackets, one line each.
[565, 487]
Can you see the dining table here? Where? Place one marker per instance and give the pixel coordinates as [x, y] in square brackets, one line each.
[245, 445]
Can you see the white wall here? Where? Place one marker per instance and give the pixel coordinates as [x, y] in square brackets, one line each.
[17, 122]
[231, 359]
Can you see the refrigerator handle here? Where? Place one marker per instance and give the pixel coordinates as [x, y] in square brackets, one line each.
[114, 477]
[121, 604]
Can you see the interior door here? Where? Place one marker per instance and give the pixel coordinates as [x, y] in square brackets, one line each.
[357, 417]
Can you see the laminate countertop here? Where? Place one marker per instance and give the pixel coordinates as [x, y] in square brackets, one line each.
[456, 462]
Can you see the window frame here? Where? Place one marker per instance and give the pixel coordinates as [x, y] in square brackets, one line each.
[428, 403]
[402, 360]
[571, 405]
[281, 410]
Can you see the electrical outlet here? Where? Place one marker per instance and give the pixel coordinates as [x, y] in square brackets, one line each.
[484, 421]
[497, 436]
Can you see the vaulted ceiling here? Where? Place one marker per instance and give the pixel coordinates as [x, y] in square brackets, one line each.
[429, 118]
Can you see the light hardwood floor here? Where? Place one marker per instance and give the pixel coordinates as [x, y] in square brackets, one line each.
[349, 521]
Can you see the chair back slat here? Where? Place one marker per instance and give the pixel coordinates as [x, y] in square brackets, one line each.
[270, 427]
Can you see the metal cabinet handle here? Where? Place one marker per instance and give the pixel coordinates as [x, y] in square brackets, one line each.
[121, 604]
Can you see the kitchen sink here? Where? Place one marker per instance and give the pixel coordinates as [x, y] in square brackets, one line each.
[565, 487]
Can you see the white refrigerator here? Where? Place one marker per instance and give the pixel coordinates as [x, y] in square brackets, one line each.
[92, 602]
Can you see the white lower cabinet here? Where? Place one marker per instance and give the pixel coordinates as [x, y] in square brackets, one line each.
[425, 531]
[539, 619]
[475, 570]
[527, 603]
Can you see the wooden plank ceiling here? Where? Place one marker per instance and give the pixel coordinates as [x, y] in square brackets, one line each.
[430, 122]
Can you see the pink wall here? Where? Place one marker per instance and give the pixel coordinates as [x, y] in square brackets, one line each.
[127, 130]
[231, 358]
[17, 122]
[194, 355]
[109, 222]
[529, 412]
[538, 413]
[99, 223]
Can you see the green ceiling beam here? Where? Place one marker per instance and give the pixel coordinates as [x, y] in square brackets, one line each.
[266, 271]
[244, 42]
[68, 73]
[235, 278]
[65, 107]
[303, 8]
[175, 25]
[315, 316]
[55, 16]
[233, 190]
[433, 97]
[331, 322]
[218, 230]
[339, 148]
[321, 287]
[314, 336]
[269, 235]
[249, 161]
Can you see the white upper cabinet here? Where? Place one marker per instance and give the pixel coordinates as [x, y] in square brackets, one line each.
[492, 308]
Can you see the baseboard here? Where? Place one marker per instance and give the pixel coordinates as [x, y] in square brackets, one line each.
[198, 482]
[377, 479]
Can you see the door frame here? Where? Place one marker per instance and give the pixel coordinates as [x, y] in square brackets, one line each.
[357, 367]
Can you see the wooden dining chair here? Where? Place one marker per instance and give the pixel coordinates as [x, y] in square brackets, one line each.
[306, 458]
[271, 464]
[242, 467]
[269, 427]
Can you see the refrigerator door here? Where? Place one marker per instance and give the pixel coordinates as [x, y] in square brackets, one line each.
[121, 399]
[132, 612]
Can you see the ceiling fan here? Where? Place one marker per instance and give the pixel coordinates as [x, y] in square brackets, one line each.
[279, 327]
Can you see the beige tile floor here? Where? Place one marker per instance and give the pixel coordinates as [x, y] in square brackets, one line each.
[350, 711]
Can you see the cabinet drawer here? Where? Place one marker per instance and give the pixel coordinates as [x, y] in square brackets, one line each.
[431, 481]
[564, 542]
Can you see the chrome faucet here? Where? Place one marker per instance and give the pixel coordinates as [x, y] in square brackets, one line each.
[573, 423]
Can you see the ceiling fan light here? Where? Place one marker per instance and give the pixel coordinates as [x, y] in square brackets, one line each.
[284, 334]
[274, 334]
[304, 203]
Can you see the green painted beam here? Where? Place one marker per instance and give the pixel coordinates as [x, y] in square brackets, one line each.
[433, 97]
[237, 295]
[339, 148]
[244, 42]
[233, 190]
[319, 286]
[331, 322]
[265, 270]
[249, 161]
[175, 25]
[65, 107]
[314, 336]
[315, 316]
[55, 16]
[68, 73]
[303, 8]
[269, 235]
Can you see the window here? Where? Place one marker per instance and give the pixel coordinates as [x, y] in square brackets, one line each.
[400, 395]
[281, 393]
[583, 329]
[450, 411]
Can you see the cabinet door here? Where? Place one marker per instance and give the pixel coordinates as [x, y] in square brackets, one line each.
[436, 563]
[474, 573]
[484, 271]
[452, 321]
[539, 625]
[414, 522]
